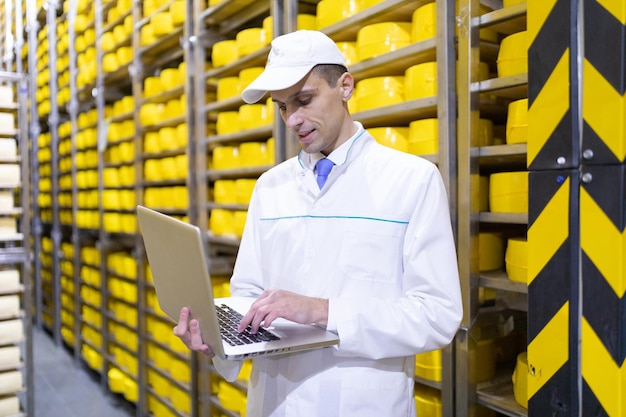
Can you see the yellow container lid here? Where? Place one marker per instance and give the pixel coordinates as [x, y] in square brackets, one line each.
[162, 24]
[379, 92]
[516, 258]
[424, 22]
[393, 137]
[517, 122]
[428, 365]
[349, 51]
[152, 86]
[427, 401]
[177, 11]
[227, 87]
[508, 192]
[424, 136]
[170, 78]
[421, 81]
[225, 157]
[224, 52]
[251, 40]
[490, 251]
[380, 38]
[252, 115]
[485, 132]
[243, 188]
[224, 192]
[513, 55]
[227, 122]
[221, 222]
[247, 75]
[305, 22]
[147, 35]
[329, 12]
[520, 380]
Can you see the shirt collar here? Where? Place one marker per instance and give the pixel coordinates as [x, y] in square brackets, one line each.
[338, 156]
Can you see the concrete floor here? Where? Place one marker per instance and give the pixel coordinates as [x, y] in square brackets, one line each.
[67, 388]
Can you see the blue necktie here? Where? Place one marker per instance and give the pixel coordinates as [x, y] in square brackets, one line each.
[323, 167]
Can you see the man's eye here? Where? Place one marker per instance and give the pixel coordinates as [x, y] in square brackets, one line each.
[304, 101]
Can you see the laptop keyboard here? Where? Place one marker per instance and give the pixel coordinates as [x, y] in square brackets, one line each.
[229, 321]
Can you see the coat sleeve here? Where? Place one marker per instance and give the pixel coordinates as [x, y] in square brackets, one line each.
[427, 314]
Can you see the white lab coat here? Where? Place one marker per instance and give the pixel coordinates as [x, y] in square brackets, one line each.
[376, 242]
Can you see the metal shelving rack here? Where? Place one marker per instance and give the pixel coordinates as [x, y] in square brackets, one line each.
[15, 247]
[495, 395]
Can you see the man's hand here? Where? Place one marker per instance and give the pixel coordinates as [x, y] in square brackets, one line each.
[273, 304]
[189, 332]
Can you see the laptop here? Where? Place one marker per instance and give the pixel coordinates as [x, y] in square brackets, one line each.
[177, 257]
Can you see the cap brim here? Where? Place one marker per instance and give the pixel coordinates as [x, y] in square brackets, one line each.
[274, 79]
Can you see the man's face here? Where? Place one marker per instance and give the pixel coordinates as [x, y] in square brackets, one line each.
[316, 112]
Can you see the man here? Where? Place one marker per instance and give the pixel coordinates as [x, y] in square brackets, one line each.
[369, 254]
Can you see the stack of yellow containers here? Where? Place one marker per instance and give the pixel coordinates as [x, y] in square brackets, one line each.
[68, 308]
[168, 356]
[44, 198]
[123, 345]
[62, 63]
[165, 140]
[116, 39]
[85, 44]
[118, 195]
[91, 326]
[42, 94]
[86, 163]
[45, 257]
[65, 173]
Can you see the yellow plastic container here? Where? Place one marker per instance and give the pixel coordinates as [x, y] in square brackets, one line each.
[428, 366]
[251, 154]
[424, 137]
[221, 222]
[250, 40]
[508, 192]
[224, 192]
[243, 188]
[162, 24]
[177, 11]
[225, 157]
[513, 55]
[393, 137]
[246, 76]
[227, 87]
[485, 132]
[252, 115]
[517, 122]
[224, 52]
[349, 51]
[509, 3]
[516, 258]
[152, 86]
[329, 12]
[520, 380]
[305, 22]
[490, 251]
[421, 81]
[424, 22]
[427, 401]
[170, 78]
[377, 92]
[227, 122]
[380, 38]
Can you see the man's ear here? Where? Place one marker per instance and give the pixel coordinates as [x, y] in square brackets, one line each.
[346, 82]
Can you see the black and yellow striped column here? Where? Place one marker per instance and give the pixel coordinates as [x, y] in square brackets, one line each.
[603, 209]
[553, 217]
[577, 208]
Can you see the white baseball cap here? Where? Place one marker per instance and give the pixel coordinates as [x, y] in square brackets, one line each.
[291, 58]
